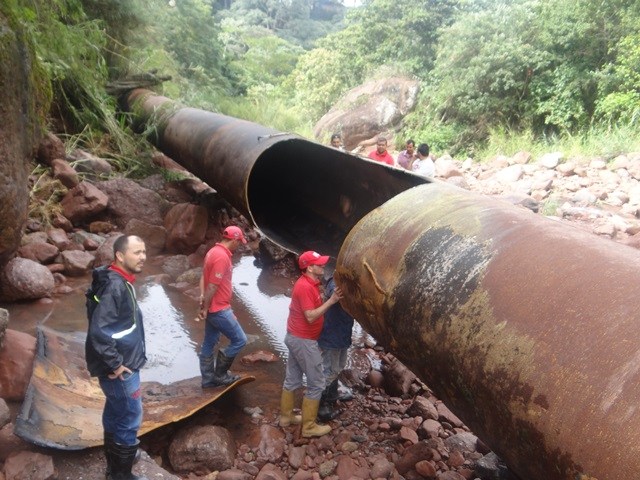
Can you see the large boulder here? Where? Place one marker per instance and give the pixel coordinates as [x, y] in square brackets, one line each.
[24, 279]
[129, 200]
[23, 102]
[366, 111]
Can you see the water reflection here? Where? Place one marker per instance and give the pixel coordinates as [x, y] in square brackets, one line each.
[263, 295]
[172, 354]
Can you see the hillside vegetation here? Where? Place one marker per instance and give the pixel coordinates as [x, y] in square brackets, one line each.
[496, 76]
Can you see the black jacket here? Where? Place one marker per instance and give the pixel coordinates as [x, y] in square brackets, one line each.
[116, 334]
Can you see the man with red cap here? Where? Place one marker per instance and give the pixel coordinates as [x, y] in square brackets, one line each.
[215, 307]
[303, 329]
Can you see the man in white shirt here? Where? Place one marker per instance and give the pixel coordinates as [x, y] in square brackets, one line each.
[423, 165]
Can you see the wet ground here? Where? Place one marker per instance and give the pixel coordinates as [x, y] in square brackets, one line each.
[174, 335]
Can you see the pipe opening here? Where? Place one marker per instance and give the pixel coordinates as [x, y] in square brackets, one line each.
[303, 195]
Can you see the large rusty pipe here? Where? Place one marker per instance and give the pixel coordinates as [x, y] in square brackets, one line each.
[300, 194]
[528, 329]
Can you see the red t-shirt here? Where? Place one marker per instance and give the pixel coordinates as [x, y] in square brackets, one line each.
[384, 158]
[217, 270]
[305, 296]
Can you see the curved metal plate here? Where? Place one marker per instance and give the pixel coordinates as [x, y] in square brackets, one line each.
[63, 404]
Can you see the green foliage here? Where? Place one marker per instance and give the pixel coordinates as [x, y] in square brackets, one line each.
[257, 56]
[402, 33]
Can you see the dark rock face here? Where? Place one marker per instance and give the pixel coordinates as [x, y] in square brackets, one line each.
[21, 107]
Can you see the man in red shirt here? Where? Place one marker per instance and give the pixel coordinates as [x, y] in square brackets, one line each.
[306, 315]
[215, 307]
[380, 154]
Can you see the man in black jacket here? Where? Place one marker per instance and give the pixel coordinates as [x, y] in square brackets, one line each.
[115, 352]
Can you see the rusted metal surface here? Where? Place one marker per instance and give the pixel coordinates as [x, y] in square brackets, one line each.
[300, 194]
[63, 405]
[527, 328]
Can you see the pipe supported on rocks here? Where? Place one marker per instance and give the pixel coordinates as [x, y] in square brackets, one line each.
[527, 328]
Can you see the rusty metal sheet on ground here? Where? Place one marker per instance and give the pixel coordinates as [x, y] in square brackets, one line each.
[63, 404]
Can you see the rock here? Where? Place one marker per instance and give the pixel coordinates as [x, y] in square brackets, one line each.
[412, 455]
[397, 378]
[509, 174]
[175, 265]
[446, 167]
[272, 443]
[382, 468]
[60, 221]
[10, 443]
[83, 202]
[422, 407]
[16, 364]
[444, 414]
[271, 472]
[4, 322]
[234, 474]
[154, 236]
[430, 429]
[408, 434]
[521, 158]
[41, 252]
[259, 356]
[24, 279]
[369, 109]
[59, 238]
[65, 173]
[464, 442]
[29, 465]
[450, 475]
[488, 467]
[348, 468]
[128, 200]
[327, 468]
[296, 456]
[76, 262]
[426, 469]
[201, 450]
[92, 167]
[186, 226]
[50, 148]
[104, 254]
[35, 237]
[551, 160]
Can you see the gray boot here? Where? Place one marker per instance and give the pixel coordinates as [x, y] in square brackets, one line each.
[222, 374]
[207, 370]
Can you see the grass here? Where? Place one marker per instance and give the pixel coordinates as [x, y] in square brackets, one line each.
[598, 141]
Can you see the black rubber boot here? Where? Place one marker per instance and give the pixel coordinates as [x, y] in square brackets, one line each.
[122, 460]
[207, 371]
[328, 400]
[222, 374]
[108, 440]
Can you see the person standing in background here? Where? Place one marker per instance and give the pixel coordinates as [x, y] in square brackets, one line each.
[380, 154]
[336, 141]
[115, 352]
[215, 308]
[423, 165]
[407, 156]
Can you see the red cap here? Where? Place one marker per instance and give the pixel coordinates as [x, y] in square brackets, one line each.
[234, 233]
[312, 258]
